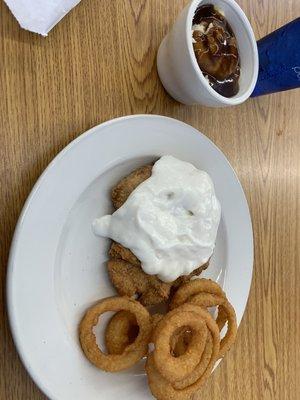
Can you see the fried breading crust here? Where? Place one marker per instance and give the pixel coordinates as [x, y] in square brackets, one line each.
[117, 251]
[122, 190]
[132, 281]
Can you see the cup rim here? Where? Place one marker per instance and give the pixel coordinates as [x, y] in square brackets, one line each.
[237, 99]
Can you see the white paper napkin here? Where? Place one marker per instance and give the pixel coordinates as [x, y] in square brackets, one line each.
[40, 16]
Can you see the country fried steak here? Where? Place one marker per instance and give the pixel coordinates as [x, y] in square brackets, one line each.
[124, 267]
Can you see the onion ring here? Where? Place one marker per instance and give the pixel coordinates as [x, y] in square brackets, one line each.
[226, 313]
[121, 330]
[162, 388]
[179, 341]
[177, 368]
[194, 287]
[206, 293]
[211, 349]
[133, 352]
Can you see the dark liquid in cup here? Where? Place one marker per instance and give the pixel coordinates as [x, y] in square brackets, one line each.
[216, 51]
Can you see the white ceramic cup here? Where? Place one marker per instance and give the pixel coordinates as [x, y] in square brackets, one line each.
[179, 71]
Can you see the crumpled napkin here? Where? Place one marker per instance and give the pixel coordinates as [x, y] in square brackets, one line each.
[40, 16]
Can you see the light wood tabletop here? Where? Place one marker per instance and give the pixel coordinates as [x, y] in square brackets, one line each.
[99, 62]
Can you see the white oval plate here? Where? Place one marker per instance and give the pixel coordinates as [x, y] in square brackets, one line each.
[57, 266]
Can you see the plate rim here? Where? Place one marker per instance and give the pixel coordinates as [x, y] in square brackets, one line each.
[12, 252]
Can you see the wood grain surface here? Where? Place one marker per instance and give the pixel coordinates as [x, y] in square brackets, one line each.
[99, 62]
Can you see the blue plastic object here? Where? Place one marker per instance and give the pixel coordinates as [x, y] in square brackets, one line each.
[279, 60]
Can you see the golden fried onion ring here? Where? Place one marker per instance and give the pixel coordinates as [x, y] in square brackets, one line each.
[177, 368]
[180, 339]
[207, 293]
[121, 330]
[164, 389]
[189, 289]
[133, 352]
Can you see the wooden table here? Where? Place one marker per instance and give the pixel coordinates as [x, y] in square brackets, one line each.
[100, 63]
